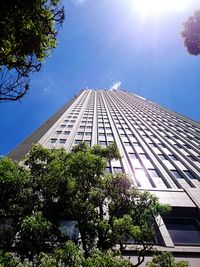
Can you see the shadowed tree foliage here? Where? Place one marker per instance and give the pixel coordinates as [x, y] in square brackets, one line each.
[28, 34]
[166, 259]
[191, 34]
[55, 185]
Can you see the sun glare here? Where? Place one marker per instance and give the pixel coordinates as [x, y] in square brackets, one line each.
[157, 7]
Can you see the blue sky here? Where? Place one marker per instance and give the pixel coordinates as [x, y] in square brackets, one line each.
[100, 43]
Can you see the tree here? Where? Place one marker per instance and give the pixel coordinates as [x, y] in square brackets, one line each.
[28, 34]
[108, 210]
[35, 235]
[191, 34]
[166, 259]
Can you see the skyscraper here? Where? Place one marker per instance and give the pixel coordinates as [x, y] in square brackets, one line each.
[160, 152]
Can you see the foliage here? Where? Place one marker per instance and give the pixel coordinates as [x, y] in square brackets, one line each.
[28, 34]
[166, 259]
[108, 259]
[54, 185]
[35, 235]
[6, 259]
[14, 188]
[191, 33]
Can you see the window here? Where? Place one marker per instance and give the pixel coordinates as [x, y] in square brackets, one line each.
[162, 157]
[69, 126]
[108, 170]
[127, 144]
[110, 142]
[62, 141]
[66, 132]
[191, 158]
[80, 133]
[88, 142]
[88, 133]
[117, 170]
[77, 141]
[183, 231]
[189, 174]
[177, 145]
[132, 156]
[102, 143]
[172, 157]
[143, 156]
[153, 173]
[53, 140]
[176, 174]
[161, 145]
[58, 132]
[152, 145]
[62, 125]
[136, 144]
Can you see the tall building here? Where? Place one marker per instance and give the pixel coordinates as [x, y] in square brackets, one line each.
[160, 152]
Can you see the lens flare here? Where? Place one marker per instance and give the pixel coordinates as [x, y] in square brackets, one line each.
[157, 7]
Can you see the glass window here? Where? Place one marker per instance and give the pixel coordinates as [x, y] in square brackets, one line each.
[172, 157]
[88, 133]
[143, 156]
[127, 144]
[176, 174]
[161, 145]
[136, 144]
[88, 142]
[191, 157]
[183, 230]
[62, 141]
[132, 156]
[58, 132]
[53, 140]
[117, 170]
[177, 145]
[153, 173]
[102, 143]
[189, 174]
[80, 133]
[66, 132]
[162, 157]
[108, 170]
[152, 145]
[77, 141]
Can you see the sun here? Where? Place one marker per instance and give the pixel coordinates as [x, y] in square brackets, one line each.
[158, 7]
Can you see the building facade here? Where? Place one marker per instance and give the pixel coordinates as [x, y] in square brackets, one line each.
[160, 152]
